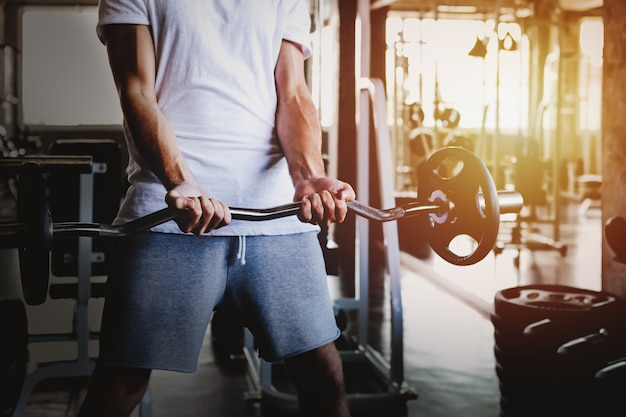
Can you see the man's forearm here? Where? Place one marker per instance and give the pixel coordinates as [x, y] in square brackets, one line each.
[131, 56]
[297, 124]
[155, 140]
[300, 137]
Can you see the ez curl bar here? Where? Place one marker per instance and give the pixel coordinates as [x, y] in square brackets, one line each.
[463, 202]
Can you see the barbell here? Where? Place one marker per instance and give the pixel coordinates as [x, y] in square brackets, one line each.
[455, 190]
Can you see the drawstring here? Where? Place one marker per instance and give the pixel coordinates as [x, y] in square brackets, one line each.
[241, 251]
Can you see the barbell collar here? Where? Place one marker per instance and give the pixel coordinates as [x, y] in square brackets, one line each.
[510, 202]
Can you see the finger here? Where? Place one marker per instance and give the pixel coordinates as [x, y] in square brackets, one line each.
[304, 215]
[187, 221]
[203, 215]
[328, 205]
[317, 208]
[175, 199]
[218, 214]
[341, 211]
[227, 218]
[227, 215]
[346, 193]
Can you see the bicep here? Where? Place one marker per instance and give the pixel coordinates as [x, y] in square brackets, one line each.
[130, 50]
[289, 72]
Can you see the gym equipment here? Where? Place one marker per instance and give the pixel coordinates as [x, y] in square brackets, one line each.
[466, 216]
[609, 385]
[63, 192]
[422, 141]
[34, 239]
[550, 342]
[13, 353]
[415, 115]
[479, 49]
[615, 232]
[92, 185]
[448, 117]
[530, 171]
[465, 203]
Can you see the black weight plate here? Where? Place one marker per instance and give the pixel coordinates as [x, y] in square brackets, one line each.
[461, 176]
[609, 383]
[559, 302]
[615, 232]
[545, 334]
[528, 369]
[595, 349]
[547, 402]
[512, 326]
[525, 352]
[34, 251]
[614, 373]
[13, 353]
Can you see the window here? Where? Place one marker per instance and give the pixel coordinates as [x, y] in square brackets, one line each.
[428, 62]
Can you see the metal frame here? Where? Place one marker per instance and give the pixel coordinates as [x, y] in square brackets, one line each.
[83, 366]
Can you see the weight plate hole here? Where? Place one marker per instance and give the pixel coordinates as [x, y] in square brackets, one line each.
[449, 168]
[462, 245]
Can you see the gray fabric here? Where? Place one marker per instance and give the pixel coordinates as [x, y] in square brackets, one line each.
[162, 289]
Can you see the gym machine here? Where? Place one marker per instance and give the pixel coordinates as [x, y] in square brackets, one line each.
[78, 174]
[530, 169]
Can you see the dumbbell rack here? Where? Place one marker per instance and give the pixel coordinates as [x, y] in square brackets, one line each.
[387, 375]
[83, 365]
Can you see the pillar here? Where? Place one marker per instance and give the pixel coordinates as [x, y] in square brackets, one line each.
[613, 137]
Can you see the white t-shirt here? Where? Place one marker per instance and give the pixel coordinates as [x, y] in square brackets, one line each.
[215, 84]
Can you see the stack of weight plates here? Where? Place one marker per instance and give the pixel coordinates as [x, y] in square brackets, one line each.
[550, 341]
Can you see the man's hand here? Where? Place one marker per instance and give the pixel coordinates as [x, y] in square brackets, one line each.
[204, 213]
[323, 200]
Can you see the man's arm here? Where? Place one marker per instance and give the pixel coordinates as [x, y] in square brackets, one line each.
[132, 59]
[297, 126]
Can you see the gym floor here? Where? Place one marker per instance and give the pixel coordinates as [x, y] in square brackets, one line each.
[448, 337]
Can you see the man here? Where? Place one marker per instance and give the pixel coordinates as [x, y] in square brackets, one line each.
[216, 114]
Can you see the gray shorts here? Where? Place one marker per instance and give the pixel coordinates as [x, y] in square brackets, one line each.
[163, 288]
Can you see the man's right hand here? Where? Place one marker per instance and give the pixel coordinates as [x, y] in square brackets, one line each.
[203, 213]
